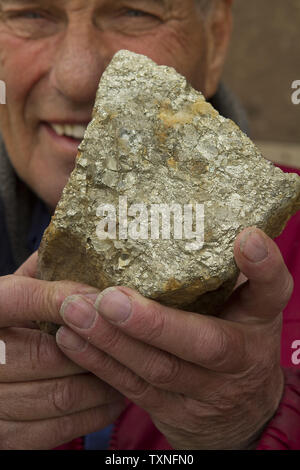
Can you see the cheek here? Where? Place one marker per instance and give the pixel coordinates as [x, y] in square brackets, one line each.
[20, 68]
[171, 46]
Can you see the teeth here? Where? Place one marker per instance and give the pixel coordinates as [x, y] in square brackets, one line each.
[69, 130]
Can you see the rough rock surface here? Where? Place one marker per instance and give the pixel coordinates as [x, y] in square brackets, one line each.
[154, 139]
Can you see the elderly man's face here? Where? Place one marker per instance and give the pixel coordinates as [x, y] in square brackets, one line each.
[53, 53]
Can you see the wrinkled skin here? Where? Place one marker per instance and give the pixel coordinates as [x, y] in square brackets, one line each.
[52, 65]
[206, 382]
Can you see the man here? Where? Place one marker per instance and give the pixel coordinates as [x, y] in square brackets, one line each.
[192, 382]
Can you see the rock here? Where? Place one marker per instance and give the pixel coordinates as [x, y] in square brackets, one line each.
[155, 140]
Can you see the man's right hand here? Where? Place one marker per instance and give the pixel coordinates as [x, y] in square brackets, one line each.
[45, 399]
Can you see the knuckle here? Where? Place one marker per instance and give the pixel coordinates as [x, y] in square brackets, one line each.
[104, 363]
[162, 371]
[155, 320]
[24, 294]
[62, 396]
[134, 385]
[110, 340]
[212, 347]
[11, 288]
[221, 348]
[39, 348]
[29, 295]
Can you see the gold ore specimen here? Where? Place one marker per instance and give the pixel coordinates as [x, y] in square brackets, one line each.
[155, 140]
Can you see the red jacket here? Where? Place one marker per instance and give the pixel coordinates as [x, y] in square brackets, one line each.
[134, 429]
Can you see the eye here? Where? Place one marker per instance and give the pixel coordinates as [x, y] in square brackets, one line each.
[137, 13]
[31, 15]
[31, 24]
[127, 20]
[26, 14]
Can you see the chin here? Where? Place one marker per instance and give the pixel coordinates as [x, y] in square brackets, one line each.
[51, 194]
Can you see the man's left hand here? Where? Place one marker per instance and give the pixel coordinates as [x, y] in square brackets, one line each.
[207, 382]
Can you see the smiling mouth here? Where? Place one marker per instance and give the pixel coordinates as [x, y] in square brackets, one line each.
[73, 131]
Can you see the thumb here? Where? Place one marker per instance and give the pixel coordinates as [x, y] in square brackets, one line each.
[29, 267]
[270, 284]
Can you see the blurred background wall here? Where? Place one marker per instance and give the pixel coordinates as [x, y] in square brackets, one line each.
[263, 62]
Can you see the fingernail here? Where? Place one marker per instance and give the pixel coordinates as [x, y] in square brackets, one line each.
[78, 312]
[113, 305]
[70, 340]
[253, 246]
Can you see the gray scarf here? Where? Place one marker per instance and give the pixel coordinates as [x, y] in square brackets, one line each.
[18, 200]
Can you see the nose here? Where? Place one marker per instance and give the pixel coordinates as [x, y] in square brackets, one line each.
[79, 63]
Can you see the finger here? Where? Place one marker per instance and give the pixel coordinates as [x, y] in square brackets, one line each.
[29, 401]
[269, 286]
[33, 355]
[162, 405]
[158, 368]
[29, 267]
[206, 341]
[24, 299]
[113, 372]
[27, 324]
[51, 433]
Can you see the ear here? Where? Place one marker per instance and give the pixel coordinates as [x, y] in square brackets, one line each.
[218, 33]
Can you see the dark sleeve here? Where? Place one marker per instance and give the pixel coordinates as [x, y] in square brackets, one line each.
[7, 264]
[283, 431]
